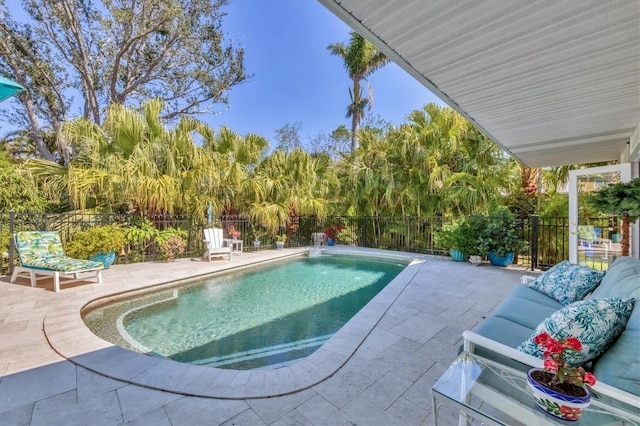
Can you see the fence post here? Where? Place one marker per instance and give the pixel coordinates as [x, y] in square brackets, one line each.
[364, 232]
[535, 228]
[12, 241]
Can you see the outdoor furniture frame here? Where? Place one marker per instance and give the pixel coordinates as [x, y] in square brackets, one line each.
[41, 253]
[213, 238]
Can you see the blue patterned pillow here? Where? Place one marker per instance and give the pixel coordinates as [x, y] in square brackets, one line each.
[567, 282]
[597, 323]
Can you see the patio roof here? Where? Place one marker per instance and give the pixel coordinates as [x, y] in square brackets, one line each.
[554, 83]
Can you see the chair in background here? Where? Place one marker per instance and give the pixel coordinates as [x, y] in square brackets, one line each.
[41, 253]
[213, 238]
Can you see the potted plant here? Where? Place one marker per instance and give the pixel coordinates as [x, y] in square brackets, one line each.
[559, 389]
[257, 233]
[99, 243]
[451, 237]
[332, 234]
[280, 240]
[234, 233]
[464, 238]
[620, 199]
[501, 239]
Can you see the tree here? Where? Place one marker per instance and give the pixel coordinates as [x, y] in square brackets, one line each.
[134, 162]
[288, 137]
[122, 52]
[620, 199]
[361, 59]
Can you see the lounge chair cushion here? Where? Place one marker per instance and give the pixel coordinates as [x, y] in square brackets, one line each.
[597, 323]
[567, 282]
[43, 250]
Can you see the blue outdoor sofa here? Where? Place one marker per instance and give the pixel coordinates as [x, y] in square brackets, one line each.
[503, 335]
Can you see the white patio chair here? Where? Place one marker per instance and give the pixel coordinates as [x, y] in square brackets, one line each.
[215, 244]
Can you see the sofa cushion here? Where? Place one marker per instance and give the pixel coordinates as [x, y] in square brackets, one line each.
[595, 322]
[622, 279]
[528, 293]
[525, 312]
[619, 366]
[567, 282]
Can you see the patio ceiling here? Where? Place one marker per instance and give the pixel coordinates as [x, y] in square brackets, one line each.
[553, 82]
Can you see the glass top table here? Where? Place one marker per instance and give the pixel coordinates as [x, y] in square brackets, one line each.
[495, 394]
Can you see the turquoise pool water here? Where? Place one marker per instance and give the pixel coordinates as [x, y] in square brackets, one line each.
[266, 316]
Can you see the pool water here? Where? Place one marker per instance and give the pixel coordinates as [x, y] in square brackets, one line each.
[266, 316]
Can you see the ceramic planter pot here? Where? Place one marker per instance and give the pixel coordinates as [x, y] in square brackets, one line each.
[505, 260]
[565, 407]
[456, 255]
[331, 242]
[279, 244]
[107, 259]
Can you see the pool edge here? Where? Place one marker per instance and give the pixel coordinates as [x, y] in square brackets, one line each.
[71, 338]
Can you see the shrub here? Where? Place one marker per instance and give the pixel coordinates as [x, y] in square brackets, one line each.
[99, 239]
[501, 234]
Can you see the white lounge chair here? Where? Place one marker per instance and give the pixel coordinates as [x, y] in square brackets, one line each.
[41, 253]
[213, 238]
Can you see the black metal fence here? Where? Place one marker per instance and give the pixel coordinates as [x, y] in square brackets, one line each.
[546, 239]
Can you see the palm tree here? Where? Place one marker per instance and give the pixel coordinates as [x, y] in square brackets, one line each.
[133, 160]
[361, 59]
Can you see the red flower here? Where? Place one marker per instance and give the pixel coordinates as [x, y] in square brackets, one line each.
[573, 343]
[542, 339]
[554, 352]
[589, 379]
[550, 365]
[332, 231]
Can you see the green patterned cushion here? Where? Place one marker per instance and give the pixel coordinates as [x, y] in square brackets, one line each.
[597, 323]
[567, 282]
[43, 250]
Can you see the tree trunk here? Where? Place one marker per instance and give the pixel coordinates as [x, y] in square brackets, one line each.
[34, 130]
[355, 117]
[626, 237]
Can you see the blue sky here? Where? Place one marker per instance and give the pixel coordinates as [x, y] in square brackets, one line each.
[295, 78]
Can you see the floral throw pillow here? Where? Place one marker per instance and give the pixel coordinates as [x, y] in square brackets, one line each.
[597, 323]
[567, 282]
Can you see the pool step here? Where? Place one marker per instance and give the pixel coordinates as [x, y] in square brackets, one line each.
[219, 361]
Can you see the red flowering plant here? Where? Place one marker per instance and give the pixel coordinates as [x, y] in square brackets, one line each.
[233, 233]
[555, 352]
[333, 231]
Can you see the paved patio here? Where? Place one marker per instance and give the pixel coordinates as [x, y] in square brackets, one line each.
[377, 370]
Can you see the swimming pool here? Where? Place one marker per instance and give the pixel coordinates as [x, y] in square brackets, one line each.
[266, 316]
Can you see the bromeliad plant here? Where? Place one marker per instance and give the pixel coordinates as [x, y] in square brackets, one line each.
[555, 353]
[233, 233]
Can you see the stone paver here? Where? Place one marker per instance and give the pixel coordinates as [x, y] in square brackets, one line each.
[407, 337]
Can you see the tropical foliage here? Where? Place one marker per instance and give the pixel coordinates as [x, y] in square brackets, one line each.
[620, 199]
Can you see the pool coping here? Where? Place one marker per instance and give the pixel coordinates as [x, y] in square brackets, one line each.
[68, 335]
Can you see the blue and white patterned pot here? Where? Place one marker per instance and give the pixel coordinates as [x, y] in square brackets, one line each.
[562, 406]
